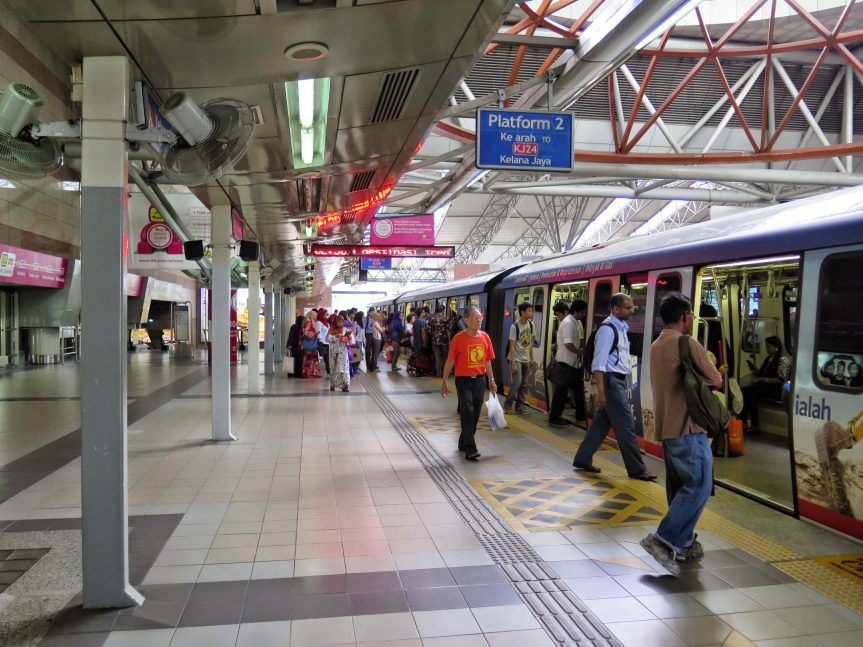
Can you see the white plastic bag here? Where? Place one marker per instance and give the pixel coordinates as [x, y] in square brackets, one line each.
[495, 413]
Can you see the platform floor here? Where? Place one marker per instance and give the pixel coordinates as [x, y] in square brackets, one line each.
[349, 518]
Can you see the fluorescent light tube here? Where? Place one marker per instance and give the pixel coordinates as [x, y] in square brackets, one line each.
[307, 145]
[306, 93]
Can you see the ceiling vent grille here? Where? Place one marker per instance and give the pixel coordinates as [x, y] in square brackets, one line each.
[362, 181]
[396, 88]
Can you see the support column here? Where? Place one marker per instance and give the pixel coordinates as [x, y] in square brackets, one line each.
[268, 327]
[104, 476]
[220, 332]
[278, 323]
[253, 351]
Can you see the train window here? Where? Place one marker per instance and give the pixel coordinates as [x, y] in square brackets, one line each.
[839, 328]
[452, 306]
[636, 287]
[602, 302]
[473, 300]
[665, 284]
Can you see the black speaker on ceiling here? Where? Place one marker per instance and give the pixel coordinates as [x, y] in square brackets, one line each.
[248, 250]
[193, 250]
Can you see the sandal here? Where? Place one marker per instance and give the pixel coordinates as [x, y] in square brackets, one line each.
[473, 456]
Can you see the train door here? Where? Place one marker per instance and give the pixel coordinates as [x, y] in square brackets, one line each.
[537, 393]
[599, 304]
[744, 316]
[827, 403]
[510, 314]
[567, 293]
[659, 284]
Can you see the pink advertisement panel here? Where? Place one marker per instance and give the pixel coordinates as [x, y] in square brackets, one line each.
[133, 285]
[23, 267]
[415, 229]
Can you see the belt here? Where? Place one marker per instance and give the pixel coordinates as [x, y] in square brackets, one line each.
[471, 377]
[621, 376]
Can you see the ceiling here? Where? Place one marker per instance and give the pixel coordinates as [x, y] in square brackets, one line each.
[236, 49]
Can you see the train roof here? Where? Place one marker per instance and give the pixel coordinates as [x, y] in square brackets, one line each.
[470, 285]
[825, 220]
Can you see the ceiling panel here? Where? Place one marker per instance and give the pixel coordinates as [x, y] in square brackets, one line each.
[125, 10]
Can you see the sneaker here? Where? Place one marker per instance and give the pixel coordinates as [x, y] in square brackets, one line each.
[691, 553]
[522, 411]
[558, 422]
[507, 408]
[585, 467]
[644, 476]
[661, 553]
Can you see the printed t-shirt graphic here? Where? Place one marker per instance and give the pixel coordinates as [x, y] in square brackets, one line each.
[470, 353]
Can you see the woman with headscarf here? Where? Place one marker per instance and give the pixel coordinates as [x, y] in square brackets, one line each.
[339, 341]
[295, 346]
[322, 326]
[359, 339]
[311, 363]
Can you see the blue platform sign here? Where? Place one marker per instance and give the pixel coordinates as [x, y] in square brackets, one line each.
[524, 140]
[376, 263]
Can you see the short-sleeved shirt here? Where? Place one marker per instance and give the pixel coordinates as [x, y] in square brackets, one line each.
[420, 324]
[470, 353]
[522, 335]
[439, 329]
[603, 359]
[321, 329]
[567, 332]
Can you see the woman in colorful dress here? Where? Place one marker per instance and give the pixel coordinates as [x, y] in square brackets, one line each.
[339, 340]
[311, 363]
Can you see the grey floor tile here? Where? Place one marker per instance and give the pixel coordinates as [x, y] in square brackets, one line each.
[490, 595]
[433, 599]
[619, 610]
[75, 620]
[816, 619]
[483, 574]
[744, 576]
[761, 625]
[426, 578]
[577, 568]
[319, 584]
[380, 581]
[377, 602]
[700, 630]
[841, 639]
[218, 592]
[646, 632]
[777, 596]
[274, 588]
[210, 612]
[591, 588]
[167, 592]
[726, 601]
[265, 609]
[673, 605]
[151, 615]
[320, 606]
[75, 640]
[721, 559]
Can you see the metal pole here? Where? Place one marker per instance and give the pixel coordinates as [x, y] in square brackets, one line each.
[104, 475]
[626, 192]
[848, 116]
[278, 347]
[253, 349]
[268, 326]
[220, 331]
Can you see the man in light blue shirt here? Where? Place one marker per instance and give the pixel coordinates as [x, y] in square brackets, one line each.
[610, 368]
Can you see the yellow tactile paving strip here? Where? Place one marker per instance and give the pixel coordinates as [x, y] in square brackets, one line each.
[517, 503]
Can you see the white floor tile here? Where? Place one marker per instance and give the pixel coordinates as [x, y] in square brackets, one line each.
[322, 631]
[269, 634]
[386, 626]
[172, 574]
[142, 638]
[645, 632]
[449, 622]
[530, 638]
[515, 617]
[225, 572]
[213, 636]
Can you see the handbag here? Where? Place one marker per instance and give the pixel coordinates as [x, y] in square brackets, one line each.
[310, 344]
[288, 364]
[557, 372]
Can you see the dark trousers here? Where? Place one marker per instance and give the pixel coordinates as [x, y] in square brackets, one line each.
[374, 354]
[324, 350]
[471, 391]
[368, 351]
[297, 354]
[618, 414]
[574, 382]
[753, 394]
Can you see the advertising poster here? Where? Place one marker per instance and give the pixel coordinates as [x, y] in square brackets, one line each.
[23, 267]
[155, 245]
[413, 229]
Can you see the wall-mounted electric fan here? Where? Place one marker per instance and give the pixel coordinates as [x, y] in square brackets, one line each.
[203, 143]
[22, 155]
[213, 137]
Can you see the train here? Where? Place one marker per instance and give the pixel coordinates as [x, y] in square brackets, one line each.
[792, 271]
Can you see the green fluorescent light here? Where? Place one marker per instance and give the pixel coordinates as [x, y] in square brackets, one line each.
[308, 106]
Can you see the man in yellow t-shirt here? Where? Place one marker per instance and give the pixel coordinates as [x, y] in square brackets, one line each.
[471, 352]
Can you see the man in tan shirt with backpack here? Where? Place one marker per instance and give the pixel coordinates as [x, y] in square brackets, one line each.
[688, 457]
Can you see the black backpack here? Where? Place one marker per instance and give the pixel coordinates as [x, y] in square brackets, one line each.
[702, 405]
[590, 347]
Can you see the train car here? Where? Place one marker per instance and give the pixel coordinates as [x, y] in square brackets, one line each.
[790, 271]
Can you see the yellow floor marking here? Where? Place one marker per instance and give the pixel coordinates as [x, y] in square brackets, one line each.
[849, 565]
[737, 639]
[838, 577]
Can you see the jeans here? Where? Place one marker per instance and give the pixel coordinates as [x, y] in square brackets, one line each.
[618, 414]
[440, 353]
[688, 484]
[470, 392]
[369, 338]
[519, 384]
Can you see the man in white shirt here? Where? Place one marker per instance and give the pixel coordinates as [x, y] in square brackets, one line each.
[323, 347]
[567, 347]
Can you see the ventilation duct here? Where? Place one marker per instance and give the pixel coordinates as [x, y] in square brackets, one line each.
[396, 88]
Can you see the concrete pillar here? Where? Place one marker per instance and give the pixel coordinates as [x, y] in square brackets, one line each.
[253, 352]
[104, 477]
[278, 323]
[220, 330]
[268, 327]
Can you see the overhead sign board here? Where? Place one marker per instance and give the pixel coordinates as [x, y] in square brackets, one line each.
[524, 140]
[381, 251]
[403, 229]
[376, 263]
